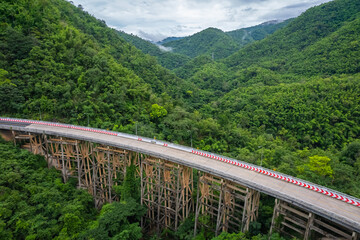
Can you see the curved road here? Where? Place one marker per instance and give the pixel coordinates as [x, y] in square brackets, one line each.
[335, 210]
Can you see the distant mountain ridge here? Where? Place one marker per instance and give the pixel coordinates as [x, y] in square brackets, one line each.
[211, 41]
[175, 52]
[169, 39]
[218, 44]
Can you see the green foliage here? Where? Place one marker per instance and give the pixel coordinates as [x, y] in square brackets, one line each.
[231, 236]
[118, 220]
[289, 42]
[64, 64]
[351, 154]
[3, 79]
[321, 112]
[243, 236]
[320, 165]
[34, 203]
[131, 185]
[157, 111]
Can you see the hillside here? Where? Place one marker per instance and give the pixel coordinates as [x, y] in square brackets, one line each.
[59, 62]
[165, 57]
[175, 52]
[69, 66]
[320, 42]
[282, 50]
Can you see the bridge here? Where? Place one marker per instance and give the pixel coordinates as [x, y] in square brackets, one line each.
[227, 191]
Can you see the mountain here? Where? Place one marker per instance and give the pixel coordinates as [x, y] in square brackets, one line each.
[282, 50]
[320, 42]
[211, 41]
[164, 56]
[218, 44]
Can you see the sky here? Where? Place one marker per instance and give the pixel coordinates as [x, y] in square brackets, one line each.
[157, 19]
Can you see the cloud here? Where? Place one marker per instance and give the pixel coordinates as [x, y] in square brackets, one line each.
[165, 49]
[154, 19]
[155, 37]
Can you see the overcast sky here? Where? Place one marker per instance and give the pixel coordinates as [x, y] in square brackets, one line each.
[157, 19]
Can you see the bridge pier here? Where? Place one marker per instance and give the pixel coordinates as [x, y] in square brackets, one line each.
[109, 167]
[229, 206]
[298, 223]
[166, 190]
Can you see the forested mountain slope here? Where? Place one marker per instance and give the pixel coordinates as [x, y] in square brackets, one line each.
[211, 42]
[169, 39]
[59, 62]
[321, 42]
[291, 48]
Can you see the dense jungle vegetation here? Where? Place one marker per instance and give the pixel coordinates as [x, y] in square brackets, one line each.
[36, 204]
[291, 100]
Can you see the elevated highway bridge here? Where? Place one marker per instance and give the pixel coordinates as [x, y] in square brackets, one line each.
[228, 190]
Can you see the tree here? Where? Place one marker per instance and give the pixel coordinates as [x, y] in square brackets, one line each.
[3, 78]
[320, 165]
[157, 112]
[118, 220]
[351, 153]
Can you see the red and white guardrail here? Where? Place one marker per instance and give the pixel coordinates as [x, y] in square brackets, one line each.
[236, 163]
[281, 177]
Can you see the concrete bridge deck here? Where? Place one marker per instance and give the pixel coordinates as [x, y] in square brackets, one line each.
[335, 210]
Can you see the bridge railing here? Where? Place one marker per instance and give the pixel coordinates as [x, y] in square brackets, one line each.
[312, 186]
